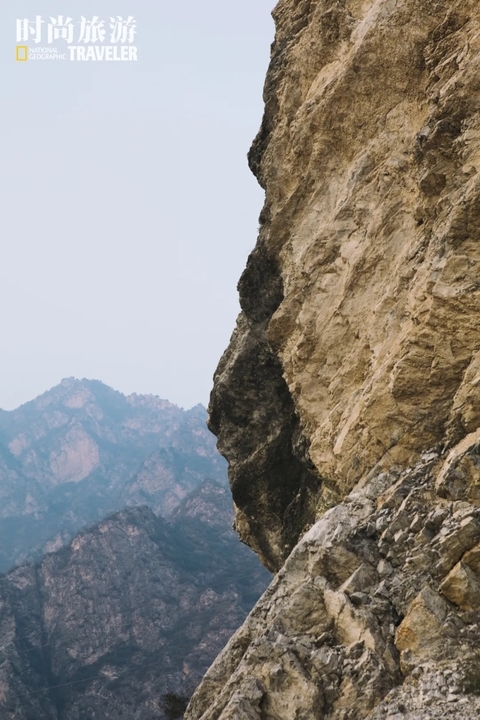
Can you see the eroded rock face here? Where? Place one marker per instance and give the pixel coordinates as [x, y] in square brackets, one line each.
[348, 397]
[375, 614]
[362, 292]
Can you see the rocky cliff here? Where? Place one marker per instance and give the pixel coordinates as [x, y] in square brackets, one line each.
[133, 610]
[347, 403]
[82, 450]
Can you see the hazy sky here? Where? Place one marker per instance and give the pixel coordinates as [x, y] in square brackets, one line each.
[127, 206]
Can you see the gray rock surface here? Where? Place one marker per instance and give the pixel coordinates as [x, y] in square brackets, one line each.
[361, 621]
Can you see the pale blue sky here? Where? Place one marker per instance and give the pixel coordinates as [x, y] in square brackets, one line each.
[127, 206]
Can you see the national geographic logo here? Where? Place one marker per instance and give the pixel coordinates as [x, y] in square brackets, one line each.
[21, 53]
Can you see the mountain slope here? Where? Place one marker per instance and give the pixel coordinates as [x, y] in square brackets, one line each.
[132, 609]
[83, 450]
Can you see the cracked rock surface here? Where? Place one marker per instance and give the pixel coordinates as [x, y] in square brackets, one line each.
[347, 403]
[358, 346]
[375, 614]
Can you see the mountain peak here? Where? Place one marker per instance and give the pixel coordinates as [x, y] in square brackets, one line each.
[82, 450]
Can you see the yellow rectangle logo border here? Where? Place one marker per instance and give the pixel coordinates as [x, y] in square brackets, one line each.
[17, 53]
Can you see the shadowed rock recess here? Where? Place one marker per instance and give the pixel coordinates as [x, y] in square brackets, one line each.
[348, 401]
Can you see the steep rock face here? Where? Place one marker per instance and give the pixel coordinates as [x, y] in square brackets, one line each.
[362, 291]
[374, 615]
[132, 609]
[348, 396]
[83, 450]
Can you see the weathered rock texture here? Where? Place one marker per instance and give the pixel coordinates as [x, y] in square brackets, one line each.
[82, 450]
[375, 614]
[355, 368]
[132, 609]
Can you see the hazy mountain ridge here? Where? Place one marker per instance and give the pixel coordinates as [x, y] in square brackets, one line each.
[82, 450]
[140, 604]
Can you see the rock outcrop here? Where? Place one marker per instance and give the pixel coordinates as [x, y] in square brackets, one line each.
[133, 609]
[82, 450]
[375, 614]
[347, 403]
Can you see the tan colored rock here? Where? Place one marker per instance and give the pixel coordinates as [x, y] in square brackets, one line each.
[472, 559]
[79, 398]
[347, 402]
[462, 587]
[456, 539]
[364, 282]
[421, 633]
[346, 203]
[459, 478]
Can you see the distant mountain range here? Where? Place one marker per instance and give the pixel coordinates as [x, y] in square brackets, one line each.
[129, 578]
[133, 609]
[83, 450]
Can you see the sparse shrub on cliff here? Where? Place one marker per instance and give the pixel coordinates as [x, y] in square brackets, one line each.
[174, 705]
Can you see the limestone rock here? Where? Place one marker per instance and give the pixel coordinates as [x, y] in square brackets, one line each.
[422, 629]
[347, 402]
[358, 346]
[462, 587]
[363, 638]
